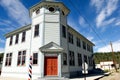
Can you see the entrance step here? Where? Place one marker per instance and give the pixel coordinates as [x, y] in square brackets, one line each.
[53, 78]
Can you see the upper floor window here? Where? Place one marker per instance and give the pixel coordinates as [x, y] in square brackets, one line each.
[88, 47]
[23, 36]
[36, 30]
[79, 59]
[70, 37]
[63, 13]
[8, 59]
[64, 59]
[84, 45]
[35, 58]
[91, 49]
[17, 38]
[11, 39]
[37, 11]
[71, 58]
[78, 43]
[64, 31]
[21, 58]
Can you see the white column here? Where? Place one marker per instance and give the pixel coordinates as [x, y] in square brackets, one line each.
[59, 66]
[42, 43]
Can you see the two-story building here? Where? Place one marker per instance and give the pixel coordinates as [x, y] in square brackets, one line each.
[56, 48]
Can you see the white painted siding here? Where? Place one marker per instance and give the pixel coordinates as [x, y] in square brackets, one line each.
[52, 18]
[52, 33]
[14, 48]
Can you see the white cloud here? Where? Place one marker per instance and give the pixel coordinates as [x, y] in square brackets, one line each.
[106, 11]
[6, 23]
[1, 50]
[97, 3]
[2, 41]
[8, 29]
[107, 48]
[82, 22]
[90, 38]
[118, 23]
[16, 11]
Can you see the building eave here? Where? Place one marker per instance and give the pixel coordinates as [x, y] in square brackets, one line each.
[27, 27]
[49, 3]
[69, 27]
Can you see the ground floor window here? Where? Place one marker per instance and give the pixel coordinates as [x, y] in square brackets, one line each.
[8, 59]
[21, 58]
[90, 61]
[64, 58]
[35, 58]
[85, 58]
[71, 58]
[79, 59]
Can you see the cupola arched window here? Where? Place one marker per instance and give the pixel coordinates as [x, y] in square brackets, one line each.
[37, 11]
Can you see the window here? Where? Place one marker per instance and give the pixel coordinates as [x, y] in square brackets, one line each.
[36, 32]
[17, 38]
[11, 38]
[70, 37]
[35, 58]
[21, 58]
[91, 49]
[23, 36]
[84, 45]
[79, 59]
[8, 59]
[64, 59]
[63, 13]
[88, 47]
[37, 11]
[90, 61]
[85, 58]
[78, 43]
[64, 31]
[71, 58]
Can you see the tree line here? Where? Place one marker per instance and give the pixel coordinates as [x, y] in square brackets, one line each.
[107, 56]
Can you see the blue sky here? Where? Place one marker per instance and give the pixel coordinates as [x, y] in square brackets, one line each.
[98, 20]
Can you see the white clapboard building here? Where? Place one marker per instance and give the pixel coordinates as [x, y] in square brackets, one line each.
[56, 48]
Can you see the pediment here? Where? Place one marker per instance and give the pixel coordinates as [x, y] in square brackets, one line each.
[51, 47]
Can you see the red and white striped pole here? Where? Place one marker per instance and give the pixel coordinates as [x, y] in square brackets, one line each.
[30, 69]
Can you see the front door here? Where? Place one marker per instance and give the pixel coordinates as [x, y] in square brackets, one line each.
[51, 66]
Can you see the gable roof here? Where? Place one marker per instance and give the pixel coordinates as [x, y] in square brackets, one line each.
[18, 30]
[51, 47]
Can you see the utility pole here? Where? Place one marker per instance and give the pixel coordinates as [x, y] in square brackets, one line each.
[113, 56]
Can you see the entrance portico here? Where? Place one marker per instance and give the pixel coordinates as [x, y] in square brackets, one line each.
[52, 59]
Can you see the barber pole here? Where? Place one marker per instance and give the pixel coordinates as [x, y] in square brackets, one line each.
[30, 69]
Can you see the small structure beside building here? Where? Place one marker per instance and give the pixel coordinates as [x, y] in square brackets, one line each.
[105, 65]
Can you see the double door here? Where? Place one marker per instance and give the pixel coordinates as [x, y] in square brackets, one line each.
[51, 66]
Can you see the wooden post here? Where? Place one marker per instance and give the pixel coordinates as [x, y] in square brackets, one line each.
[113, 56]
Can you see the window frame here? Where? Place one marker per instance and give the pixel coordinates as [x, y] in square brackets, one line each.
[17, 39]
[21, 59]
[79, 59]
[78, 42]
[63, 31]
[84, 45]
[64, 58]
[11, 40]
[23, 36]
[33, 59]
[36, 30]
[70, 38]
[71, 58]
[8, 60]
